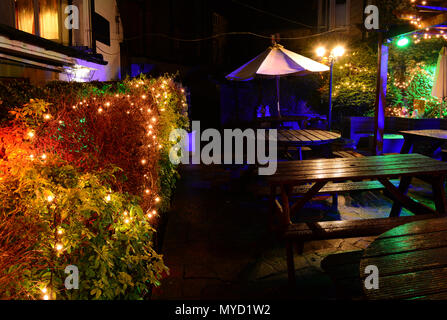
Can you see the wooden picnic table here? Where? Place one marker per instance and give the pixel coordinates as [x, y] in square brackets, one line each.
[309, 138]
[433, 138]
[278, 122]
[411, 260]
[323, 172]
[301, 138]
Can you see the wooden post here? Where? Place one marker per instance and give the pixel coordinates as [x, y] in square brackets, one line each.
[379, 116]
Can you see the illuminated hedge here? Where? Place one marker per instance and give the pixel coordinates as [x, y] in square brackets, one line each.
[86, 172]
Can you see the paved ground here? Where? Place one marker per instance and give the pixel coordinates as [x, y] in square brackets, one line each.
[218, 245]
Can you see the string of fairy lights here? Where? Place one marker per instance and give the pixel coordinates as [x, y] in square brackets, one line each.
[148, 115]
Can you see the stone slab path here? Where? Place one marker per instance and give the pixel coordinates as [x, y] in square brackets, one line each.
[217, 243]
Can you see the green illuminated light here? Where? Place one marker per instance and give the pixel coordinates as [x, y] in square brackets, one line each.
[402, 42]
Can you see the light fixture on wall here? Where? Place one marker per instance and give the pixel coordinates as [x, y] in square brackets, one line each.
[79, 73]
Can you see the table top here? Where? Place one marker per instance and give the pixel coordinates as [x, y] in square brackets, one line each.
[340, 169]
[433, 134]
[412, 261]
[307, 137]
[289, 118]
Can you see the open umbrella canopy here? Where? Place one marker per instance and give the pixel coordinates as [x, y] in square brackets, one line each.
[440, 84]
[276, 61]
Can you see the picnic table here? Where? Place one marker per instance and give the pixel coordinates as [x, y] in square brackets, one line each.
[330, 175]
[327, 173]
[309, 138]
[411, 260]
[278, 122]
[434, 139]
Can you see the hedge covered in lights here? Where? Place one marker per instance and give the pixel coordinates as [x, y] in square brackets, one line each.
[85, 174]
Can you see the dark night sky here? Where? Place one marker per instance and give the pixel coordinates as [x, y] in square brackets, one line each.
[242, 16]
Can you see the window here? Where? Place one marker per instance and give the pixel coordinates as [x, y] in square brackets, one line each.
[49, 19]
[25, 16]
[340, 13]
[43, 18]
[101, 27]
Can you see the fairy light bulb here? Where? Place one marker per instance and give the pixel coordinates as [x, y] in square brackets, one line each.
[147, 191]
[125, 213]
[108, 104]
[108, 198]
[31, 134]
[157, 199]
[60, 232]
[126, 221]
[47, 116]
[143, 96]
[44, 157]
[143, 162]
[100, 110]
[50, 199]
[59, 247]
[46, 297]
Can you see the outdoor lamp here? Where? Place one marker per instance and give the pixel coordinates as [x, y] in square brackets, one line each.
[321, 51]
[336, 52]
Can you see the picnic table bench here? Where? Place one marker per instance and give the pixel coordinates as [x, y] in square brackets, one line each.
[411, 260]
[325, 171]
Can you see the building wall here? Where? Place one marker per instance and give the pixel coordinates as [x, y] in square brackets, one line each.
[12, 66]
[112, 54]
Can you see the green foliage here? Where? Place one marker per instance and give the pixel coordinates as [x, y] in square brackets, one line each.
[354, 81]
[411, 76]
[104, 233]
[79, 215]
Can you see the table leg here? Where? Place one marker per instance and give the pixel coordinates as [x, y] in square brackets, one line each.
[436, 145]
[408, 145]
[285, 193]
[439, 195]
[402, 200]
[403, 188]
[297, 206]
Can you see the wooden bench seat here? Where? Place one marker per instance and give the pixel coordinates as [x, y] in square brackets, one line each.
[339, 187]
[346, 229]
[347, 154]
[297, 234]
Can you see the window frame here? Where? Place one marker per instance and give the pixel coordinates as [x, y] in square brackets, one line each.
[36, 10]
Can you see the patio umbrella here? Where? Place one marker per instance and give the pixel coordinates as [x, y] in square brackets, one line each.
[440, 84]
[276, 61]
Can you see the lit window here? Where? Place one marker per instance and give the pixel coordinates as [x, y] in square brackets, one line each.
[48, 12]
[25, 16]
[49, 19]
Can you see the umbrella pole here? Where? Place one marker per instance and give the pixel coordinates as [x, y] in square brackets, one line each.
[277, 95]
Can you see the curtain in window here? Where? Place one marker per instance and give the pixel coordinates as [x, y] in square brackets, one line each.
[49, 19]
[25, 15]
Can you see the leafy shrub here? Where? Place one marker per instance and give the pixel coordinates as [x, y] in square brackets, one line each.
[78, 174]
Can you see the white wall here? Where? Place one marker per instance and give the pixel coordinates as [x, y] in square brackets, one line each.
[109, 10]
